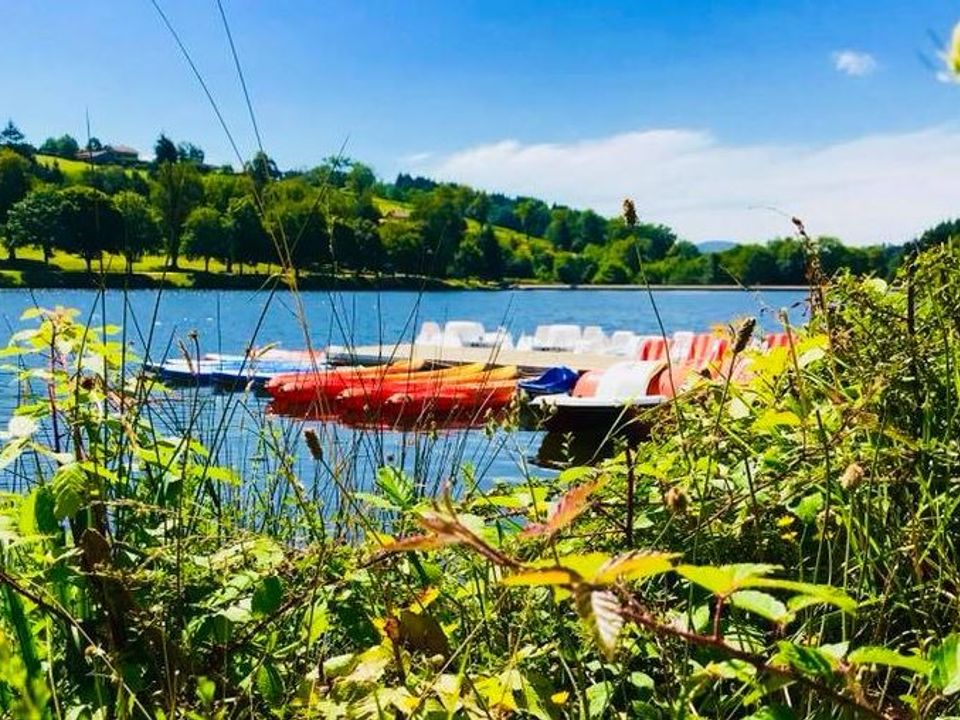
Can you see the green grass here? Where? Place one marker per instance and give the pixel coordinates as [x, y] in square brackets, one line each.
[74, 170]
[66, 270]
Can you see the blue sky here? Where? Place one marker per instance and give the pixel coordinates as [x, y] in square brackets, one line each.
[578, 102]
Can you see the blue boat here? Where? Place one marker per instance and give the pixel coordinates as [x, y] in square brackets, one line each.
[229, 372]
[559, 379]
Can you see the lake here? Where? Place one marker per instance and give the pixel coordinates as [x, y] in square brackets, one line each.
[230, 321]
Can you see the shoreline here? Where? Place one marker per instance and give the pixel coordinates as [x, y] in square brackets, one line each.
[634, 288]
[192, 280]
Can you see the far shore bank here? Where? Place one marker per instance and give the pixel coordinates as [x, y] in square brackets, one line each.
[193, 280]
[750, 288]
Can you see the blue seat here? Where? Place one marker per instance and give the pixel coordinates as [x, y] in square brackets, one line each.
[558, 379]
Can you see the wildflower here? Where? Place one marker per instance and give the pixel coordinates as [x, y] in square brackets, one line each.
[629, 212]
[313, 443]
[951, 57]
[852, 477]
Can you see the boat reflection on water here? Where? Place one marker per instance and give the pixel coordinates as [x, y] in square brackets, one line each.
[590, 439]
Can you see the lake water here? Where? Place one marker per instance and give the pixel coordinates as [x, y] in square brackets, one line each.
[231, 321]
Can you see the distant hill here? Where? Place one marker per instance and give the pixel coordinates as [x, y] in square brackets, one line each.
[715, 246]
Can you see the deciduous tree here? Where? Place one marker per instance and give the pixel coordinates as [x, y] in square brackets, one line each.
[37, 219]
[140, 226]
[91, 223]
[177, 190]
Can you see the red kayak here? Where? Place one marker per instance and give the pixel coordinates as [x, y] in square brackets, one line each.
[306, 387]
[457, 401]
[369, 397]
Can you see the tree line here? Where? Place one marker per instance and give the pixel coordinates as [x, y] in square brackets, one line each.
[339, 217]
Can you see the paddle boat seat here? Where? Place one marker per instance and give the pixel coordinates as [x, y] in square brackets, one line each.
[430, 334]
[558, 379]
[623, 342]
[463, 333]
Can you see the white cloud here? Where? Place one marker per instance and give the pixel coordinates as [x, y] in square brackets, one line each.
[878, 188]
[852, 62]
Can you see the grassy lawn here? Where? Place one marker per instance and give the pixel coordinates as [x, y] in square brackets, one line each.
[73, 170]
[65, 270]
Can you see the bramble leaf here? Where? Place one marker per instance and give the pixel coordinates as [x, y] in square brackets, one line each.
[567, 509]
[543, 576]
[725, 579]
[635, 565]
[945, 661]
[873, 655]
[762, 604]
[600, 611]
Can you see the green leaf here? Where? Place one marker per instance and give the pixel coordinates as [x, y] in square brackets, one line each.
[267, 596]
[36, 513]
[11, 451]
[809, 507]
[99, 470]
[810, 593]
[68, 487]
[773, 712]
[762, 604]
[808, 660]
[724, 579]
[270, 684]
[206, 691]
[339, 665]
[875, 655]
[396, 486]
[598, 698]
[945, 661]
[316, 622]
[223, 474]
[375, 501]
[775, 418]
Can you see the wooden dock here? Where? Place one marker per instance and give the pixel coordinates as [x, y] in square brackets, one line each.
[530, 361]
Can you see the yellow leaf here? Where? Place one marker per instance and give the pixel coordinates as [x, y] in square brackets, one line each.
[545, 576]
[586, 565]
[419, 542]
[567, 509]
[422, 601]
[634, 566]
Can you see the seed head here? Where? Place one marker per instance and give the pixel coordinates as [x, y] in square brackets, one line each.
[852, 476]
[629, 212]
[677, 500]
[744, 333]
[313, 444]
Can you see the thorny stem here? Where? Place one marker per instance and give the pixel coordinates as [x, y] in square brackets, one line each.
[633, 611]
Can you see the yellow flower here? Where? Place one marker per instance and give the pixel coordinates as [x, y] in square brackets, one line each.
[953, 52]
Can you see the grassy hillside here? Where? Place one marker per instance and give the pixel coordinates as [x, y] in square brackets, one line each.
[73, 170]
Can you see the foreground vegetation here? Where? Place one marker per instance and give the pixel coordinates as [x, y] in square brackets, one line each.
[339, 219]
[141, 578]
